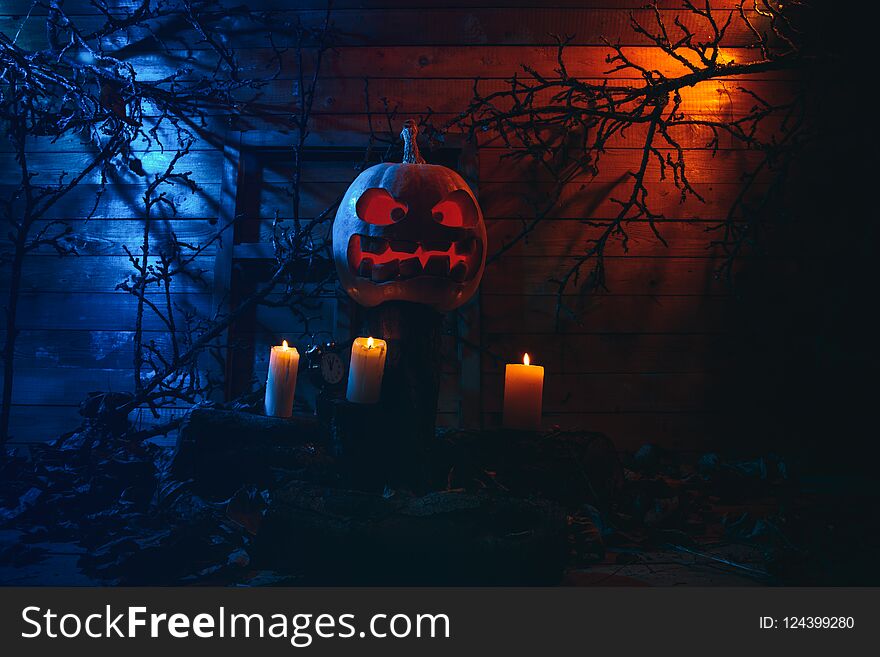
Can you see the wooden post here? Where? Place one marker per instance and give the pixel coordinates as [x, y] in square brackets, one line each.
[410, 386]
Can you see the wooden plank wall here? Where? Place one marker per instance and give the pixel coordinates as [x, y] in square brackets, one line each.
[649, 360]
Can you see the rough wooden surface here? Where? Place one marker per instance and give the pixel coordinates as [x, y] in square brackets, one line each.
[571, 468]
[343, 513]
[411, 382]
[223, 450]
[445, 538]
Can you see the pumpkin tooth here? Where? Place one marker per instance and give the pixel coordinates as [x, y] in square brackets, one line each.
[459, 272]
[385, 271]
[437, 265]
[377, 245]
[410, 267]
[402, 246]
[365, 269]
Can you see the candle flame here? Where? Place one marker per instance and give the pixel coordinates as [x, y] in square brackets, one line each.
[525, 359]
[370, 342]
[284, 346]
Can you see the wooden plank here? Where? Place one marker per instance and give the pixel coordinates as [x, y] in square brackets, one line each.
[94, 310]
[524, 274]
[594, 201]
[623, 275]
[205, 138]
[570, 354]
[498, 200]
[51, 387]
[499, 165]
[336, 95]
[496, 166]
[560, 238]
[82, 348]
[578, 200]
[108, 237]
[352, 130]
[276, 103]
[411, 26]
[431, 61]
[612, 353]
[505, 200]
[206, 167]
[115, 311]
[102, 274]
[449, 96]
[277, 323]
[610, 314]
[64, 348]
[41, 423]
[554, 238]
[587, 201]
[617, 393]
[348, 130]
[124, 202]
[702, 166]
[484, 61]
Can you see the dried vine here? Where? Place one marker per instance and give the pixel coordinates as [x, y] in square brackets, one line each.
[77, 86]
[565, 124]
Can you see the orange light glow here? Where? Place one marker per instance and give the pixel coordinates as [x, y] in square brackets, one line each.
[284, 346]
[370, 342]
[525, 359]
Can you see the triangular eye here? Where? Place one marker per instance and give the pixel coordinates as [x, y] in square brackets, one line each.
[457, 210]
[377, 206]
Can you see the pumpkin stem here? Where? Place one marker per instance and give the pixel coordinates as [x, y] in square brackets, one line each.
[411, 154]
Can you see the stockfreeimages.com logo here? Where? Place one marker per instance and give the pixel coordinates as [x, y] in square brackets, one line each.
[300, 629]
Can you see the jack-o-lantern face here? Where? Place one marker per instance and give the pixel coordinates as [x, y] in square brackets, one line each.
[409, 232]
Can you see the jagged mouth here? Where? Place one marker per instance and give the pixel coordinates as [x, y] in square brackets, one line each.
[383, 261]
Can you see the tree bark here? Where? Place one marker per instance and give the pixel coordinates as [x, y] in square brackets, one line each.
[410, 387]
[571, 468]
[343, 537]
[224, 450]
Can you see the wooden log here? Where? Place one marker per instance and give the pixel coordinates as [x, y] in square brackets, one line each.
[224, 450]
[571, 468]
[342, 537]
[359, 440]
[221, 451]
[410, 387]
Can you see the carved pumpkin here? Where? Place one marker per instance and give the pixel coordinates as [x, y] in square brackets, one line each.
[409, 232]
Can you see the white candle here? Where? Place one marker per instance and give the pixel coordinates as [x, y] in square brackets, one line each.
[523, 396]
[365, 372]
[281, 383]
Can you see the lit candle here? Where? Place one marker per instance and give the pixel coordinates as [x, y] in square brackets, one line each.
[365, 372]
[281, 383]
[523, 392]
